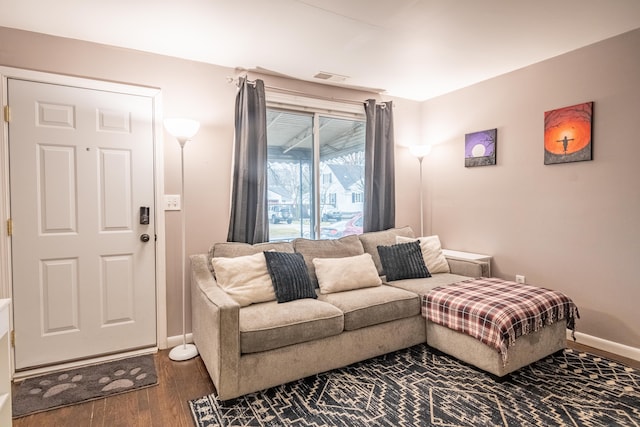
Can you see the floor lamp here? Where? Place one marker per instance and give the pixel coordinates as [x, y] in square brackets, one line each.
[183, 130]
[420, 151]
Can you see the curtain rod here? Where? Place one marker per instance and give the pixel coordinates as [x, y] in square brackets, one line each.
[236, 81]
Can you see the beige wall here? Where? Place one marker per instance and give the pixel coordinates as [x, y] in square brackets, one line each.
[199, 91]
[573, 227]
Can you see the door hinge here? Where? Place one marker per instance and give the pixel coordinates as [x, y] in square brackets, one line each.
[9, 227]
[13, 338]
[7, 114]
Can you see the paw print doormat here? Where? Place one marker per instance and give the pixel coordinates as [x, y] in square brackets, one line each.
[83, 384]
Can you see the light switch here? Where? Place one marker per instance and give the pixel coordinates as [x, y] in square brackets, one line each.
[172, 202]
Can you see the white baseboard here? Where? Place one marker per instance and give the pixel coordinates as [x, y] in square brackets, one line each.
[605, 345]
[177, 340]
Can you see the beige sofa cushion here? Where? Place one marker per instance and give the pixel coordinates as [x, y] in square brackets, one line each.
[245, 278]
[422, 286]
[372, 306]
[271, 325]
[371, 241]
[235, 249]
[343, 274]
[310, 249]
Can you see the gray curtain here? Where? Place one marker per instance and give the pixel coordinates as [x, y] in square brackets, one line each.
[379, 169]
[248, 222]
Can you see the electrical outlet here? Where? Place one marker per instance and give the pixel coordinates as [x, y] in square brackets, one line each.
[172, 202]
[520, 278]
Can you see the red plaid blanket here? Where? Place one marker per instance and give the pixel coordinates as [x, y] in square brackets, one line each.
[496, 311]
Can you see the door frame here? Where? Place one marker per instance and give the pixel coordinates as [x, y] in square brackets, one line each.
[6, 285]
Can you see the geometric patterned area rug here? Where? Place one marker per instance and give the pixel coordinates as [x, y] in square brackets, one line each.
[420, 386]
[82, 384]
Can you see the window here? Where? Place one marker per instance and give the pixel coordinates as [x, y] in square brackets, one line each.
[357, 197]
[315, 162]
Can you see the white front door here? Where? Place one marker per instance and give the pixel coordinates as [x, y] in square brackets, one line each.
[81, 166]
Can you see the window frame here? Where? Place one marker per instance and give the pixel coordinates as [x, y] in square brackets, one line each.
[317, 107]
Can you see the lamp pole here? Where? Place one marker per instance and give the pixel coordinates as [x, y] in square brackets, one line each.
[421, 199]
[419, 151]
[183, 253]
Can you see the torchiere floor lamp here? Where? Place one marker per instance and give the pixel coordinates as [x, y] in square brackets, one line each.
[183, 130]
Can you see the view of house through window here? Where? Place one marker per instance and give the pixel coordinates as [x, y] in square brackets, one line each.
[315, 175]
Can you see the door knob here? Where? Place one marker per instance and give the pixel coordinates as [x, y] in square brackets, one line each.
[144, 237]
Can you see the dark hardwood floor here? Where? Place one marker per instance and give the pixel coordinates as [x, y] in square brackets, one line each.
[635, 364]
[166, 404]
[162, 405]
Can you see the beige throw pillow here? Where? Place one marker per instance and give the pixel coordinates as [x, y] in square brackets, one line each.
[246, 279]
[326, 248]
[346, 273]
[431, 252]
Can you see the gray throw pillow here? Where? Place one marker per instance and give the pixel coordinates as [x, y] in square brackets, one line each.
[289, 276]
[403, 261]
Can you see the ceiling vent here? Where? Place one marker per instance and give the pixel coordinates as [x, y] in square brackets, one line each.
[323, 75]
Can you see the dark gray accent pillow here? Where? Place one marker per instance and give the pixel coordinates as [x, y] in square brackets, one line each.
[372, 239]
[403, 261]
[289, 276]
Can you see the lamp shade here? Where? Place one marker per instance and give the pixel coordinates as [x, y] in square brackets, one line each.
[182, 129]
[420, 150]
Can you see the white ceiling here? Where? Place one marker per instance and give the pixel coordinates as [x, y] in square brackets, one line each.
[415, 49]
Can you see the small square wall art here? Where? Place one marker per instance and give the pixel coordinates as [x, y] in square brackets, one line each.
[567, 134]
[480, 148]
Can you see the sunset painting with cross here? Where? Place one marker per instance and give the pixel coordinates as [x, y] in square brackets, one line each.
[567, 134]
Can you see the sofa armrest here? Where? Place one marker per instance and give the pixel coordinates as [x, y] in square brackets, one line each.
[470, 268]
[215, 326]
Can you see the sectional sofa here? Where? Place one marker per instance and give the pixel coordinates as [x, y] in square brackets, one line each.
[354, 314]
